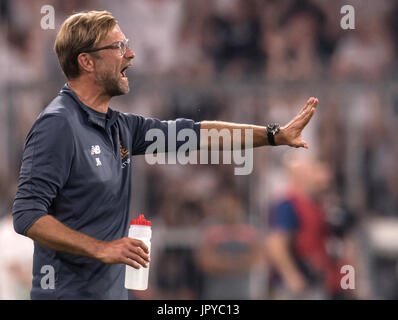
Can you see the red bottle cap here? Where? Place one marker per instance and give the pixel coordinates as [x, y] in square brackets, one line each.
[140, 221]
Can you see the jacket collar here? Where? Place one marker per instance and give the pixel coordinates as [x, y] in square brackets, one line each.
[92, 117]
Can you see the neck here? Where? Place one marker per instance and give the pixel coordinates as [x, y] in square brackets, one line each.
[90, 94]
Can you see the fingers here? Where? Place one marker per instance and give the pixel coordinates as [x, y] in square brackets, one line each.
[139, 250]
[131, 263]
[132, 252]
[308, 116]
[137, 253]
[309, 101]
[139, 247]
[314, 103]
[139, 243]
[303, 118]
[136, 261]
[309, 104]
[304, 145]
[301, 144]
[294, 128]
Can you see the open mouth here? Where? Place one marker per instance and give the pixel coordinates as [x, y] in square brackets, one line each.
[123, 72]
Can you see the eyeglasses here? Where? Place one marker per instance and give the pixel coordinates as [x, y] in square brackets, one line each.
[121, 45]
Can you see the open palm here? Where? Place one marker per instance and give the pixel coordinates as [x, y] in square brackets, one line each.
[291, 134]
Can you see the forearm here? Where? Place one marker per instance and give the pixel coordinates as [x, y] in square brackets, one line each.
[51, 233]
[290, 134]
[280, 257]
[257, 133]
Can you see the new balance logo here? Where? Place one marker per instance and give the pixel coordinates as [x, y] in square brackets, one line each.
[98, 162]
[95, 150]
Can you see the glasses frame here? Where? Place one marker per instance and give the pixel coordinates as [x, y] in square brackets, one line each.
[121, 45]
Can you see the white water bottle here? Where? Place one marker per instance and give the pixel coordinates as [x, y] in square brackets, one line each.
[137, 279]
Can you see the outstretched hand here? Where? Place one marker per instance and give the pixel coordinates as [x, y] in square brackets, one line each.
[291, 134]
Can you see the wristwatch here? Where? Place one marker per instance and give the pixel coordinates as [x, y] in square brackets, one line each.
[272, 130]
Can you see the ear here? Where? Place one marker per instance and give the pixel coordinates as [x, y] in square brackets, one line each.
[86, 62]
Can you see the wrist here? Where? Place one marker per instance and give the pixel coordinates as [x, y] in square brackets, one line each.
[275, 134]
[98, 250]
[279, 137]
[272, 131]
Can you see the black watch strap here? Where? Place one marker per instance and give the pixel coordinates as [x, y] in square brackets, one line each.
[272, 129]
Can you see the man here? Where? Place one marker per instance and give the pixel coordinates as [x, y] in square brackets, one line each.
[73, 195]
[299, 233]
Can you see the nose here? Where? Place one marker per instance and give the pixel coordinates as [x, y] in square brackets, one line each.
[129, 54]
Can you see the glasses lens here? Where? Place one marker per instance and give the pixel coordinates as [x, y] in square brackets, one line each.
[123, 46]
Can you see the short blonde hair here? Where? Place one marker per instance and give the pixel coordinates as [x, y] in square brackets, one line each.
[81, 31]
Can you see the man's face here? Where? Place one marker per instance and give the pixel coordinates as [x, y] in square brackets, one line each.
[111, 66]
[312, 176]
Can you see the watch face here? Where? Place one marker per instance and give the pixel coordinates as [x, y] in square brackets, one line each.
[274, 128]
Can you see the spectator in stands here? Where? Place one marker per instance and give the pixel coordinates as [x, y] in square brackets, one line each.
[228, 251]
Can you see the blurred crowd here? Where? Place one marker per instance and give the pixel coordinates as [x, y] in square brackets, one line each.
[246, 61]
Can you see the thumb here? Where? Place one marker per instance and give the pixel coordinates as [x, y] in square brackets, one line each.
[302, 144]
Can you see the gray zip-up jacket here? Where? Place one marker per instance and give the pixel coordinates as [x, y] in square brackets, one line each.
[77, 167]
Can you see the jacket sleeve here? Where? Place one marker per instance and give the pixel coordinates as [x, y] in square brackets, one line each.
[146, 131]
[46, 162]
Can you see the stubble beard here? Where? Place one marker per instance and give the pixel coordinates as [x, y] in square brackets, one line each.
[111, 84]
